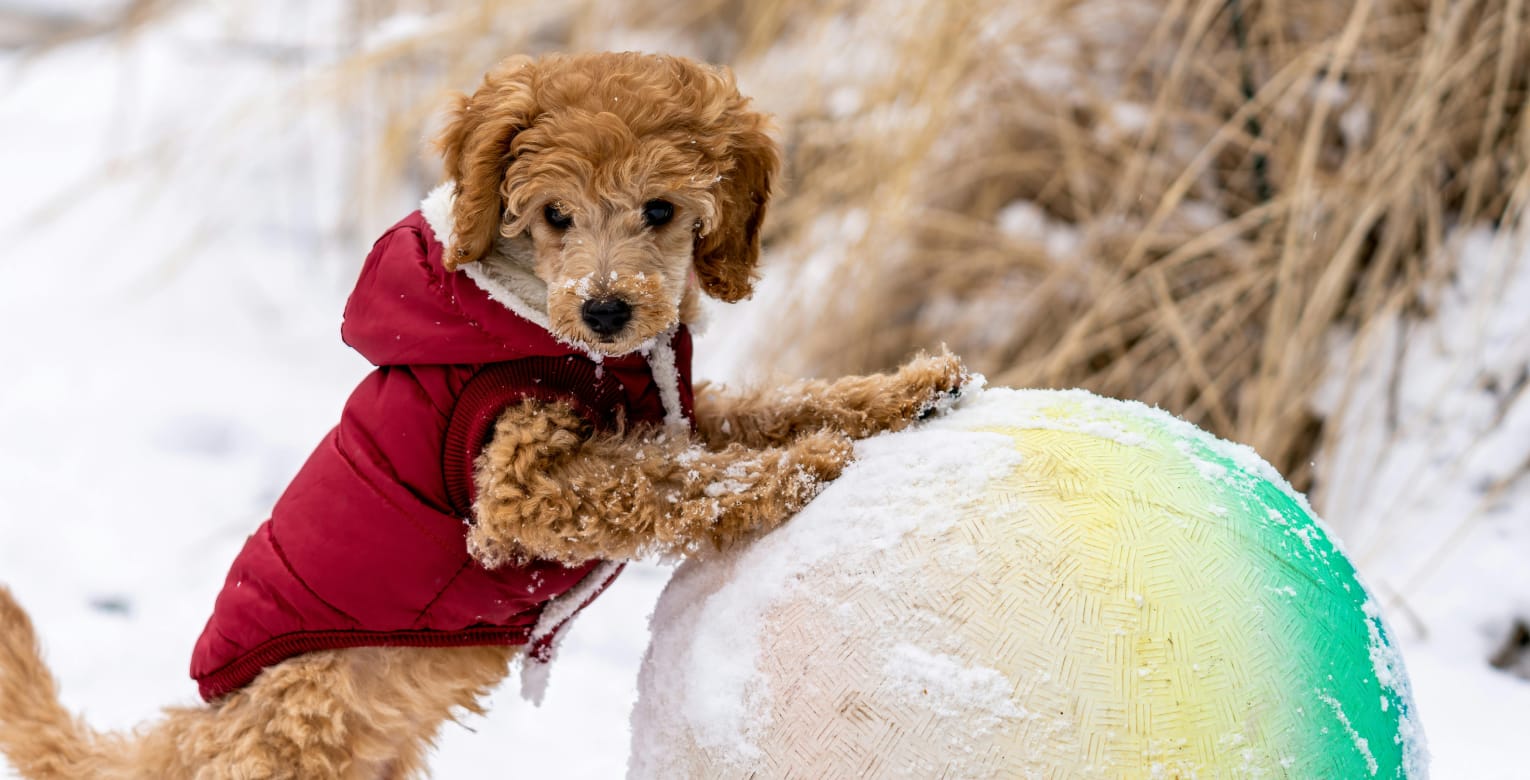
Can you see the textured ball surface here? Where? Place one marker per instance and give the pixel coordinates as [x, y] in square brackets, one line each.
[1039, 584]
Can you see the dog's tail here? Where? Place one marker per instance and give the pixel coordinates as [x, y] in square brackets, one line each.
[42, 739]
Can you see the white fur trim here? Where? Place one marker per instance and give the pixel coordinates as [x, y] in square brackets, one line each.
[502, 294]
[556, 615]
[661, 362]
[437, 210]
[534, 676]
[564, 606]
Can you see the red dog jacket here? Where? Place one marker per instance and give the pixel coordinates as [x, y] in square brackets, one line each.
[367, 545]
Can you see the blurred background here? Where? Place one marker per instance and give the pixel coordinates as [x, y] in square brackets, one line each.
[1298, 223]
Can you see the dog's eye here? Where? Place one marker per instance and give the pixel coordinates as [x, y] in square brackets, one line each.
[658, 213]
[556, 218]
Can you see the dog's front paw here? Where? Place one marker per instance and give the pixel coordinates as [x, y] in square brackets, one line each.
[812, 462]
[929, 385]
[788, 477]
[759, 493]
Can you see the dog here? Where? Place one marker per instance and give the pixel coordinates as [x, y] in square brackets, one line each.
[530, 425]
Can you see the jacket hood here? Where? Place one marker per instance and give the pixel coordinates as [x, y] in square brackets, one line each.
[407, 309]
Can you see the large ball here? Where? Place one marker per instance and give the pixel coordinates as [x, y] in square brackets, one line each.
[1039, 584]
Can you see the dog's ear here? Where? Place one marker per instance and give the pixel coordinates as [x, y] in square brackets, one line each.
[475, 147]
[727, 256]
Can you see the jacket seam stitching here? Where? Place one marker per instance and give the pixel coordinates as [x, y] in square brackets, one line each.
[281, 555]
[444, 588]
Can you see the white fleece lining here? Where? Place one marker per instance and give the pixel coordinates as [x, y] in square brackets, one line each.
[559, 610]
[503, 295]
[515, 274]
[437, 210]
[555, 614]
[661, 362]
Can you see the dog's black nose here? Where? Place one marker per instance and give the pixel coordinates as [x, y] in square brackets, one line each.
[606, 315]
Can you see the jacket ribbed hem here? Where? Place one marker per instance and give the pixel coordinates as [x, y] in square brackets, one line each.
[248, 666]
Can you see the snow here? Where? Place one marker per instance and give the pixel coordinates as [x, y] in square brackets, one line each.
[1361, 743]
[949, 687]
[721, 709]
[1024, 220]
[183, 225]
[1475, 715]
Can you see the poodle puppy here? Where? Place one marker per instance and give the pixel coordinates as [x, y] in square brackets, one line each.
[530, 425]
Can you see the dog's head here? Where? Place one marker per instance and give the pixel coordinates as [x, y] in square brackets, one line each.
[631, 178]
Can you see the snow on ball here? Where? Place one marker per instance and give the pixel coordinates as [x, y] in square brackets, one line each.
[1039, 584]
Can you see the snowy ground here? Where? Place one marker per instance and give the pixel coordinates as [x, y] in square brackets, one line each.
[172, 355]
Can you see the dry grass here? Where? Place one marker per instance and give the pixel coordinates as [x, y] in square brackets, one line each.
[1216, 200]
[1172, 201]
